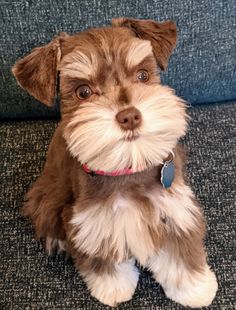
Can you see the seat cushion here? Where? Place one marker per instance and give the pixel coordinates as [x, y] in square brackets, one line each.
[202, 68]
[32, 280]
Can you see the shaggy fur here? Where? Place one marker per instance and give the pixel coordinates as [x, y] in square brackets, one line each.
[109, 81]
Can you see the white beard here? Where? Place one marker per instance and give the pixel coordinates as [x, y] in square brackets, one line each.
[95, 138]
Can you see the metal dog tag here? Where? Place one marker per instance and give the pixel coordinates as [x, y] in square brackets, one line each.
[167, 173]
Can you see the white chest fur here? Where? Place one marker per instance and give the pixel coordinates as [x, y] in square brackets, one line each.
[121, 227]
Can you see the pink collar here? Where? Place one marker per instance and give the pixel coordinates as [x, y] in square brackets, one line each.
[111, 174]
[128, 171]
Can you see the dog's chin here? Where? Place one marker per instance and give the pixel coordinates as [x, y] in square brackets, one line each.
[131, 136]
[134, 152]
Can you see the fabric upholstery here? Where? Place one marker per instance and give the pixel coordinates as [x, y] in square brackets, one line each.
[32, 280]
[202, 68]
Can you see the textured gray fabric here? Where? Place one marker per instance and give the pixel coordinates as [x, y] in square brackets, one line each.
[32, 280]
[202, 69]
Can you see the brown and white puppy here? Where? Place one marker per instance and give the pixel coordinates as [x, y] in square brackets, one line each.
[119, 121]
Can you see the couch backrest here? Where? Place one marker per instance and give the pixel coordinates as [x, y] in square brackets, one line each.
[202, 68]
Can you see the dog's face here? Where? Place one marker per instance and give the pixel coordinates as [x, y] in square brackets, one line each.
[115, 112]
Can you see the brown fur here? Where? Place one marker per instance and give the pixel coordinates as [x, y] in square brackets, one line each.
[162, 36]
[64, 188]
[61, 191]
[31, 74]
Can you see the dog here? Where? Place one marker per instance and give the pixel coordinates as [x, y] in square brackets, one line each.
[113, 189]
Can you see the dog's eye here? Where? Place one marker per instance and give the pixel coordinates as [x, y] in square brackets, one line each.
[142, 76]
[83, 92]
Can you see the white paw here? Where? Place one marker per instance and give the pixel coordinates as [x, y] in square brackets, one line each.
[116, 288]
[53, 244]
[196, 292]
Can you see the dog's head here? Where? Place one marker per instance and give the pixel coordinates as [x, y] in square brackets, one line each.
[115, 113]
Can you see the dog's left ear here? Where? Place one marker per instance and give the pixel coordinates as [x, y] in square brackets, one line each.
[37, 72]
[162, 36]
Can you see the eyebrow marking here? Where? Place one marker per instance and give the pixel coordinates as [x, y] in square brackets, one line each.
[138, 51]
[79, 65]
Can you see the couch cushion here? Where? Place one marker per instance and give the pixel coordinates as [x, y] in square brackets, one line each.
[32, 280]
[202, 68]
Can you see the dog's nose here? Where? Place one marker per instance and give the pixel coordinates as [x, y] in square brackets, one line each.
[129, 118]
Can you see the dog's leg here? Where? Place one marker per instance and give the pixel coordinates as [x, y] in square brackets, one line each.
[44, 205]
[110, 283]
[181, 268]
[53, 243]
[50, 195]
[180, 264]
[189, 287]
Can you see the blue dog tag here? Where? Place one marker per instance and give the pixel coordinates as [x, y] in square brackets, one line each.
[167, 173]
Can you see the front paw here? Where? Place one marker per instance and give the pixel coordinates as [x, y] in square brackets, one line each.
[116, 288]
[197, 291]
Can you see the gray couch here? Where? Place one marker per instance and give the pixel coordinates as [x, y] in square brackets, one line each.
[202, 70]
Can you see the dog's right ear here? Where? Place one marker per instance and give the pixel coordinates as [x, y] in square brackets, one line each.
[161, 35]
[37, 72]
